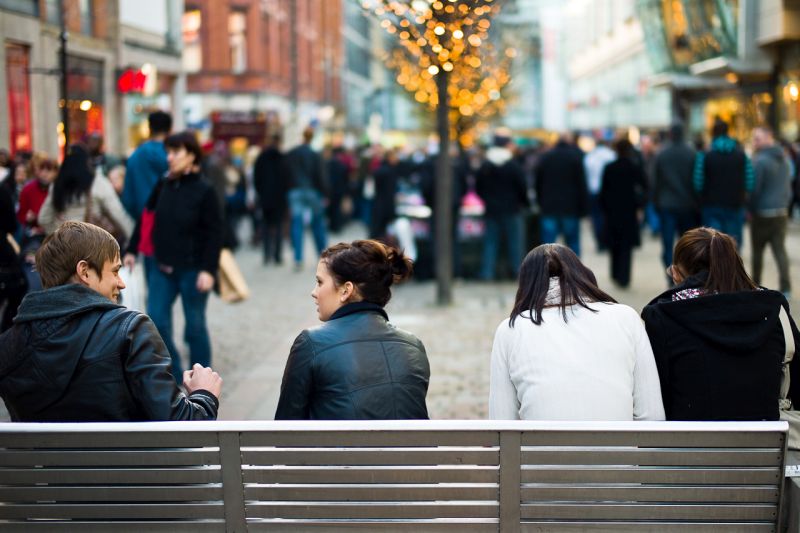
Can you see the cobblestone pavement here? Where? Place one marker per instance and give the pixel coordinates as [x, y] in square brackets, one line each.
[252, 339]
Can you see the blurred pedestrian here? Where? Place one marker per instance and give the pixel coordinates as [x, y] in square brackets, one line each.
[723, 176]
[623, 197]
[12, 278]
[569, 351]
[649, 145]
[146, 165]
[79, 194]
[673, 193]
[562, 193]
[31, 200]
[271, 177]
[307, 196]
[356, 365]
[187, 239]
[719, 340]
[338, 173]
[595, 162]
[384, 205]
[769, 201]
[502, 186]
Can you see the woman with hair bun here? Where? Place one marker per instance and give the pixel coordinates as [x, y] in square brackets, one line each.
[356, 365]
[721, 343]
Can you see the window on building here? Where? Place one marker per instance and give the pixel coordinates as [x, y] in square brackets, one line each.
[53, 11]
[21, 6]
[19, 103]
[237, 22]
[85, 10]
[192, 48]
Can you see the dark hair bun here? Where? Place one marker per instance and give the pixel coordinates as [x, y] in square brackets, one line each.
[402, 267]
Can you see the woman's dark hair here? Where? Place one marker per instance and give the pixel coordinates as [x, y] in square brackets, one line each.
[369, 265]
[706, 249]
[187, 140]
[577, 283]
[74, 178]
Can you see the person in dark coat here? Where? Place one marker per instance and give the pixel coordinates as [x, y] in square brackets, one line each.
[384, 204]
[562, 193]
[718, 339]
[12, 279]
[271, 176]
[339, 180]
[356, 365]
[622, 196]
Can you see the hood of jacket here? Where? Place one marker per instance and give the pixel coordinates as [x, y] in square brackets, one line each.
[737, 322]
[47, 341]
[724, 143]
[499, 156]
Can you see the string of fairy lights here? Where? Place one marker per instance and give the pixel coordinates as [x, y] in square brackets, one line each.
[450, 36]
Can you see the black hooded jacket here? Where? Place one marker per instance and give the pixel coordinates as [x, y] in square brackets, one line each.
[75, 356]
[720, 356]
[355, 366]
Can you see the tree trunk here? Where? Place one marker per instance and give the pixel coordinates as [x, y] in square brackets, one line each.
[443, 219]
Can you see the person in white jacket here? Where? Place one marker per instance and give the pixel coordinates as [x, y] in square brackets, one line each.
[569, 351]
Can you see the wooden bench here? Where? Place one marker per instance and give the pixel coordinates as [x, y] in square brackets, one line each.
[397, 475]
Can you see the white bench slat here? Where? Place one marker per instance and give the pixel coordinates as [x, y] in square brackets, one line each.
[370, 456]
[372, 510]
[373, 525]
[110, 439]
[109, 458]
[675, 494]
[644, 511]
[114, 511]
[632, 474]
[383, 439]
[97, 476]
[372, 474]
[644, 527]
[678, 439]
[217, 526]
[652, 457]
[144, 493]
[374, 492]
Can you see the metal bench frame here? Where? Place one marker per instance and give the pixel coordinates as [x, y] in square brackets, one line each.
[392, 475]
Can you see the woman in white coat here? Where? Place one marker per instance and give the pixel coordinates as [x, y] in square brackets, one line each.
[569, 351]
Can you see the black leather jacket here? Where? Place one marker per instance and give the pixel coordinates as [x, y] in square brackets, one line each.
[74, 356]
[356, 366]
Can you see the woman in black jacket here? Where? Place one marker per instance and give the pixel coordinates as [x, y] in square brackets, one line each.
[187, 239]
[721, 343]
[356, 365]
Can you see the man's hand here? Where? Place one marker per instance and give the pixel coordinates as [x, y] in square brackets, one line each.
[205, 281]
[129, 261]
[200, 377]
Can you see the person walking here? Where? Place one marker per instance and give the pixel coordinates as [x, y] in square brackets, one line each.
[271, 177]
[719, 340]
[568, 351]
[594, 164]
[723, 176]
[307, 196]
[769, 206]
[187, 239]
[501, 185]
[356, 365]
[673, 193]
[146, 165]
[562, 194]
[13, 284]
[384, 204]
[622, 197]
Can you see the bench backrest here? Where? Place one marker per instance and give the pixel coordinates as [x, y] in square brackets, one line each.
[420, 476]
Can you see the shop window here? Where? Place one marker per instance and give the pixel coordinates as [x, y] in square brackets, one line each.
[19, 102]
[237, 38]
[85, 11]
[53, 11]
[21, 6]
[192, 47]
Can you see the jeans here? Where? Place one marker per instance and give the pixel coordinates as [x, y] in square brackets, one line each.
[552, 226]
[303, 204]
[772, 231]
[674, 222]
[598, 222]
[728, 220]
[163, 288]
[511, 227]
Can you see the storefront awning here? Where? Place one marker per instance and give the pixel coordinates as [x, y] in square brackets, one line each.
[719, 66]
[687, 82]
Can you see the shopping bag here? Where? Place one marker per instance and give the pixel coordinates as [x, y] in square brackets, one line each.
[232, 286]
[133, 295]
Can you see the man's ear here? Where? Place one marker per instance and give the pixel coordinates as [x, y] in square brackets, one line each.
[82, 272]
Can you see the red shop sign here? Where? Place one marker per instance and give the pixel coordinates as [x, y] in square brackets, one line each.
[131, 81]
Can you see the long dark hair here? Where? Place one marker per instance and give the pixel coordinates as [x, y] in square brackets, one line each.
[578, 284]
[74, 178]
[370, 265]
[706, 249]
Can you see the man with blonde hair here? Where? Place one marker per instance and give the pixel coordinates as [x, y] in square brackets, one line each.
[75, 355]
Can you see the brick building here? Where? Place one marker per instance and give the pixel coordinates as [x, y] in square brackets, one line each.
[276, 58]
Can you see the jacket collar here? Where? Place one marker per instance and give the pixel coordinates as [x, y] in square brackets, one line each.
[63, 300]
[358, 307]
[691, 282]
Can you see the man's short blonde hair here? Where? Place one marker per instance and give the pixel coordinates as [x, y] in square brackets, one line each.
[72, 242]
